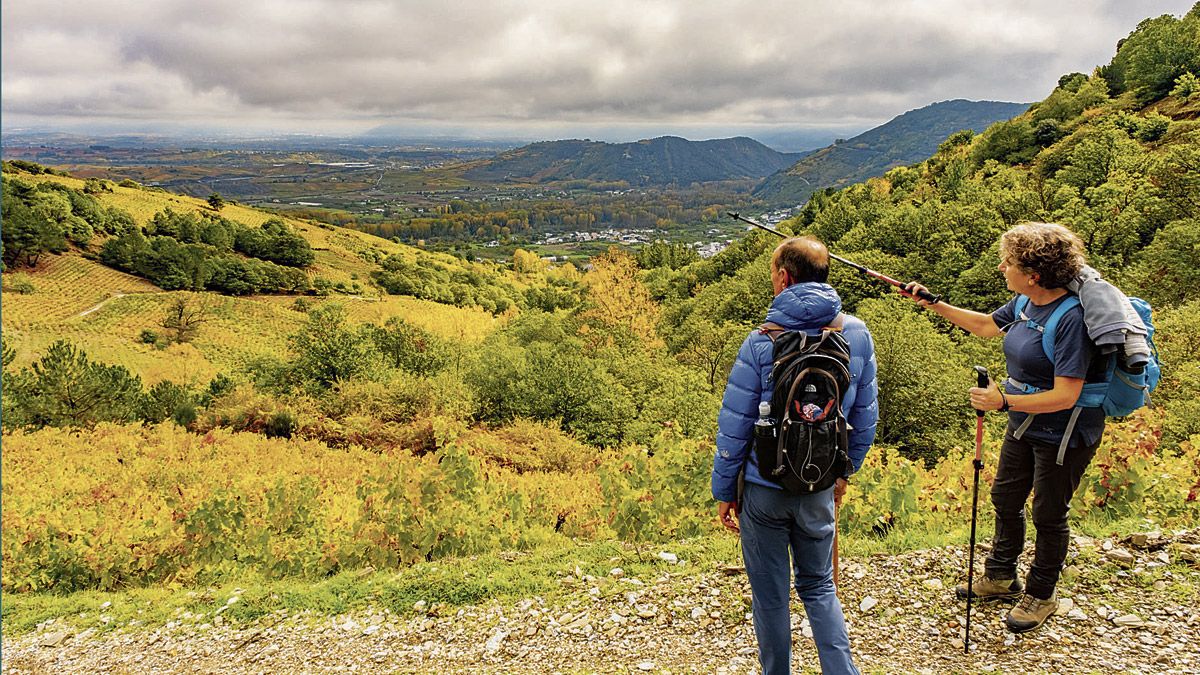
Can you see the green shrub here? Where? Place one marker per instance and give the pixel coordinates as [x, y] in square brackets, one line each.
[923, 381]
[1186, 85]
[66, 388]
[327, 351]
[282, 424]
[167, 400]
[409, 347]
[1010, 142]
[1153, 127]
[20, 284]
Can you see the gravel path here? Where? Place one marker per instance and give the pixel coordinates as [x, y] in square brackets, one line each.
[1129, 609]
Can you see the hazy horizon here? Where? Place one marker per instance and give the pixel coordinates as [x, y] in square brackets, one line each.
[799, 73]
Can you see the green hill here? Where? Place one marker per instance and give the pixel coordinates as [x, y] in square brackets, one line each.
[907, 139]
[1114, 156]
[667, 160]
[73, 295]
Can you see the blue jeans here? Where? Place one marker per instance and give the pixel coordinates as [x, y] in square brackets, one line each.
[774, 524]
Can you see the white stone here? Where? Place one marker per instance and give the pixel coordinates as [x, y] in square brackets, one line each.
[616, 572]
[646, 666]
[1120, 556]
[494, 642]
[867, 604]
[935, 584]
[669, 558]
[1129, 620]
[53, 639]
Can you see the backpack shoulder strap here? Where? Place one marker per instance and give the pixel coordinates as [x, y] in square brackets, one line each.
[1019, 307]
[771, 330]
[1048, 334]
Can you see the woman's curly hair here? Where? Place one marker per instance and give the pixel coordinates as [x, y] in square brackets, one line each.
[1051, 251]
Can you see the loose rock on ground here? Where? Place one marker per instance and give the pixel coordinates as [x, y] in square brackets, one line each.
[1115, 618]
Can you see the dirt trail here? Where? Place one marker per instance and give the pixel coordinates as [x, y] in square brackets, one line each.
[114, 296]
[1127, 616]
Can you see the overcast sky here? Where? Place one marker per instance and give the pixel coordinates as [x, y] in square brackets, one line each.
[547, 69]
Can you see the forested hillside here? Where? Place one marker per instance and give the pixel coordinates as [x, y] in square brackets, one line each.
[1114, 155]
[907, 139]
[667, 160]
[197, 393]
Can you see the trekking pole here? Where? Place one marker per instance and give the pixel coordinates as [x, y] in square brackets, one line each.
[982, 382]
[836, 556]
[924, 295]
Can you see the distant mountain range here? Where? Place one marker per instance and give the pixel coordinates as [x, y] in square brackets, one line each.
[907, 139]
[790, 178]
[667, 160]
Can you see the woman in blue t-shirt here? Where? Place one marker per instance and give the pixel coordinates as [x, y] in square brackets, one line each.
[1049, 442]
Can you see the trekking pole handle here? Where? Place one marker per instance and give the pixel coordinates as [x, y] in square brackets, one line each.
[981, 380]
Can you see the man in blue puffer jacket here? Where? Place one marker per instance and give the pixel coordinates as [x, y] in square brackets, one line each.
[773, 522]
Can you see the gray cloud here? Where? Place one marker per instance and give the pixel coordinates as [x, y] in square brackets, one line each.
[505, 64]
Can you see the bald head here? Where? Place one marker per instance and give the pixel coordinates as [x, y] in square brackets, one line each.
[803, 258]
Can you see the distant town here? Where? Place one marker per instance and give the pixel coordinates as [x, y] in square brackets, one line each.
[717, 241]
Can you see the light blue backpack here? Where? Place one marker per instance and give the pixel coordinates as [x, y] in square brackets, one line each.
[1122, 391]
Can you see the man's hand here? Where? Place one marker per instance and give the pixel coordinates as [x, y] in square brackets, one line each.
[839, 489]
[727, 514]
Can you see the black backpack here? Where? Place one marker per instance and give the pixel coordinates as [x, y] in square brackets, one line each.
[801, 443]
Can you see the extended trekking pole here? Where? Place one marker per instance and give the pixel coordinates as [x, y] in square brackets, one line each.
[836, 557]
[924, 295]
[982, 382]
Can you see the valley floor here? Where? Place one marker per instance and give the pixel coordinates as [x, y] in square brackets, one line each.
[1135, 613]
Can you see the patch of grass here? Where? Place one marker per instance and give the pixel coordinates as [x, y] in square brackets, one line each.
[554, 571]
[1095, 525]
[548, 572]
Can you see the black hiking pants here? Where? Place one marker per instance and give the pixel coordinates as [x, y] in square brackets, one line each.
[1032, 466]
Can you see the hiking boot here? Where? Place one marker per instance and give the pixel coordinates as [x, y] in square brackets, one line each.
[1030, 613]
[987, 588]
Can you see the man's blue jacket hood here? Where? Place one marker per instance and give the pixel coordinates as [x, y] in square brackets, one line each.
[807, 307]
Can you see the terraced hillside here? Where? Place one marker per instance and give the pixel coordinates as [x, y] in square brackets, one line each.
[104, 311]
